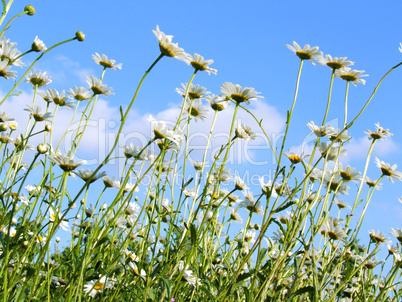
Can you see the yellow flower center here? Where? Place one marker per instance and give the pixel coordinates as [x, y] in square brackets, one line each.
[333, 235]
[335, 65]
[106, 64]
[3, 73]
[59, 101]
[96, 90]
[346, 176]
[295, 159]
[193, 95]
[304, 55]
[198, 66]
[239, 98]
[166, 51]
[194, 112]
[386, 171]
[99, 286]
[349, 77]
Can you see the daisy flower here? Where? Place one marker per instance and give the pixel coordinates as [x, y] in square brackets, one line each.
[94, 286]
[238, 94]
[110, 182]
[347, 174]
[341, 204]
[194, 91]
[86, 174]
[5, 72]
[65, 162]
[38, 79]
[80, 94]
[217, 103]
[351, 75]
[306, 53]
[240, 184]
[168, 48]
[52, 218]
[330, 153]
[336, 136]
[38, 45]
[266, 187]
[321, 131]
[235, 216]
[388, 171]
[161, 131]
[199, 63]
[379, 237]
[105, 62]
[188, 275]
[379, 133]
[371, 183]
[195, 109]
[8, 52]
[245, 132]
[294, 158]
[397, 233]
[4, 118]
[97, 86]
[60, 99]
[198, 165]
[251, 204]
[334, 63]
[333, 232]
[35, 111]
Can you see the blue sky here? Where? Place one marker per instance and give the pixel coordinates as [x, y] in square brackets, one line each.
[247, 42]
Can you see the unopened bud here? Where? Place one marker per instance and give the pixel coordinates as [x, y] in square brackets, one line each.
[42, 148]
[57, 239]
[79, 35]
[30, 10]
[48, 128]
[3, 127]
[14, 220]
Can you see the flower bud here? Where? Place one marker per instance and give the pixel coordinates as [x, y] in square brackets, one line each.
[42, 148]
[30, 10]
[48, 128]
[14, 220]
[104, 206]
[26, 242]
[57, 239]
[3, 127]
[79, 35]
[77, 216]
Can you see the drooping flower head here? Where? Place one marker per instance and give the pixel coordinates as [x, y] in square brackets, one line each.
[244, 132]
[38, 45]
[238, 94]
[306, 53]
[168, 48]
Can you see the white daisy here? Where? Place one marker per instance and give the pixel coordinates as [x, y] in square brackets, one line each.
[199, 63]
[105, 62]
[306, 53]
[351, 75]
[238, 94]
[168, 48]
[38, 45]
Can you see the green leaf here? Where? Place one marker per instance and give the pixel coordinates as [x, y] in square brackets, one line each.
[193, 233]
[307, 289]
